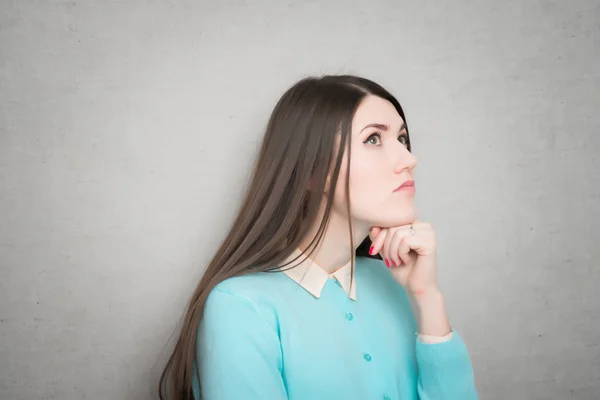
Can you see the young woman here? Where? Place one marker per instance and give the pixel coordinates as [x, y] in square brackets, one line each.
[307, 298]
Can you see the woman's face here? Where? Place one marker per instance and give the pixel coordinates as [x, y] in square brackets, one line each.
[380, 163]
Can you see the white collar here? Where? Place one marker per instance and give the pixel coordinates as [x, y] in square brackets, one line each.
[312, 277]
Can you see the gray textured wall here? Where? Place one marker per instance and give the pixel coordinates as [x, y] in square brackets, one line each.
[127, 129]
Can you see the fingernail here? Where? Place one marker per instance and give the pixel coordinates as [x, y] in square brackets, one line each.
[387, 263]
[371, 250]
[394, 263]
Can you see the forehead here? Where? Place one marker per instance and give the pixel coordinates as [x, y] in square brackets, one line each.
[374, 109]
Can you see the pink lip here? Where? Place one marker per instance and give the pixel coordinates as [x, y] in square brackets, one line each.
[407, 184]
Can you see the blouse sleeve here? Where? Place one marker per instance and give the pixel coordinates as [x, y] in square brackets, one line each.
[238, 354]
[434, 339]
[445, 370]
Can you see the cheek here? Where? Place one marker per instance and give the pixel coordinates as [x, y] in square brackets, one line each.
[367, 189]
[367, 175]
[373, 199]
[367, 183]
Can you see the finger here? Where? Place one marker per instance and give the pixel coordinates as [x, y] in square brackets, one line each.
[373, 232]
[379, 241]
[394, 247]
[385, 251]
[404, 248]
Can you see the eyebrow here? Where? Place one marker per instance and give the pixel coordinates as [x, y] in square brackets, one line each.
[383, 127]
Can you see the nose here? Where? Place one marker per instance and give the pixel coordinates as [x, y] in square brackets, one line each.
[405, 160]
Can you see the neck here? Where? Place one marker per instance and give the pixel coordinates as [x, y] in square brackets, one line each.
[335, 249]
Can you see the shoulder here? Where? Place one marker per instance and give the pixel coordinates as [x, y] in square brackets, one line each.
[251, 296]
[237, 325]
[256, 288]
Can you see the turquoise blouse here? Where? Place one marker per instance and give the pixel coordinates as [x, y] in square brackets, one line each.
[307, 335]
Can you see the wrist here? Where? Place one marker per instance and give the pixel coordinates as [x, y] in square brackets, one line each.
[433, 319]
[432, 295]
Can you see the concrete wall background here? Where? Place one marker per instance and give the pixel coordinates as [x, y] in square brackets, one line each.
[127, 129]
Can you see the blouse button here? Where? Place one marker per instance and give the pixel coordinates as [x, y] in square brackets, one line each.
[387, 398]
[367, 357]
[349, 316]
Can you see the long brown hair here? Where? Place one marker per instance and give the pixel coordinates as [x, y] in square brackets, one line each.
[282, 201]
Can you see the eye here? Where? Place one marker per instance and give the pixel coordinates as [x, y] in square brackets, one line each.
[376, 134]
[403, 138]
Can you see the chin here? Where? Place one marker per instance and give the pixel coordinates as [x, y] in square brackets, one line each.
[395, 219]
